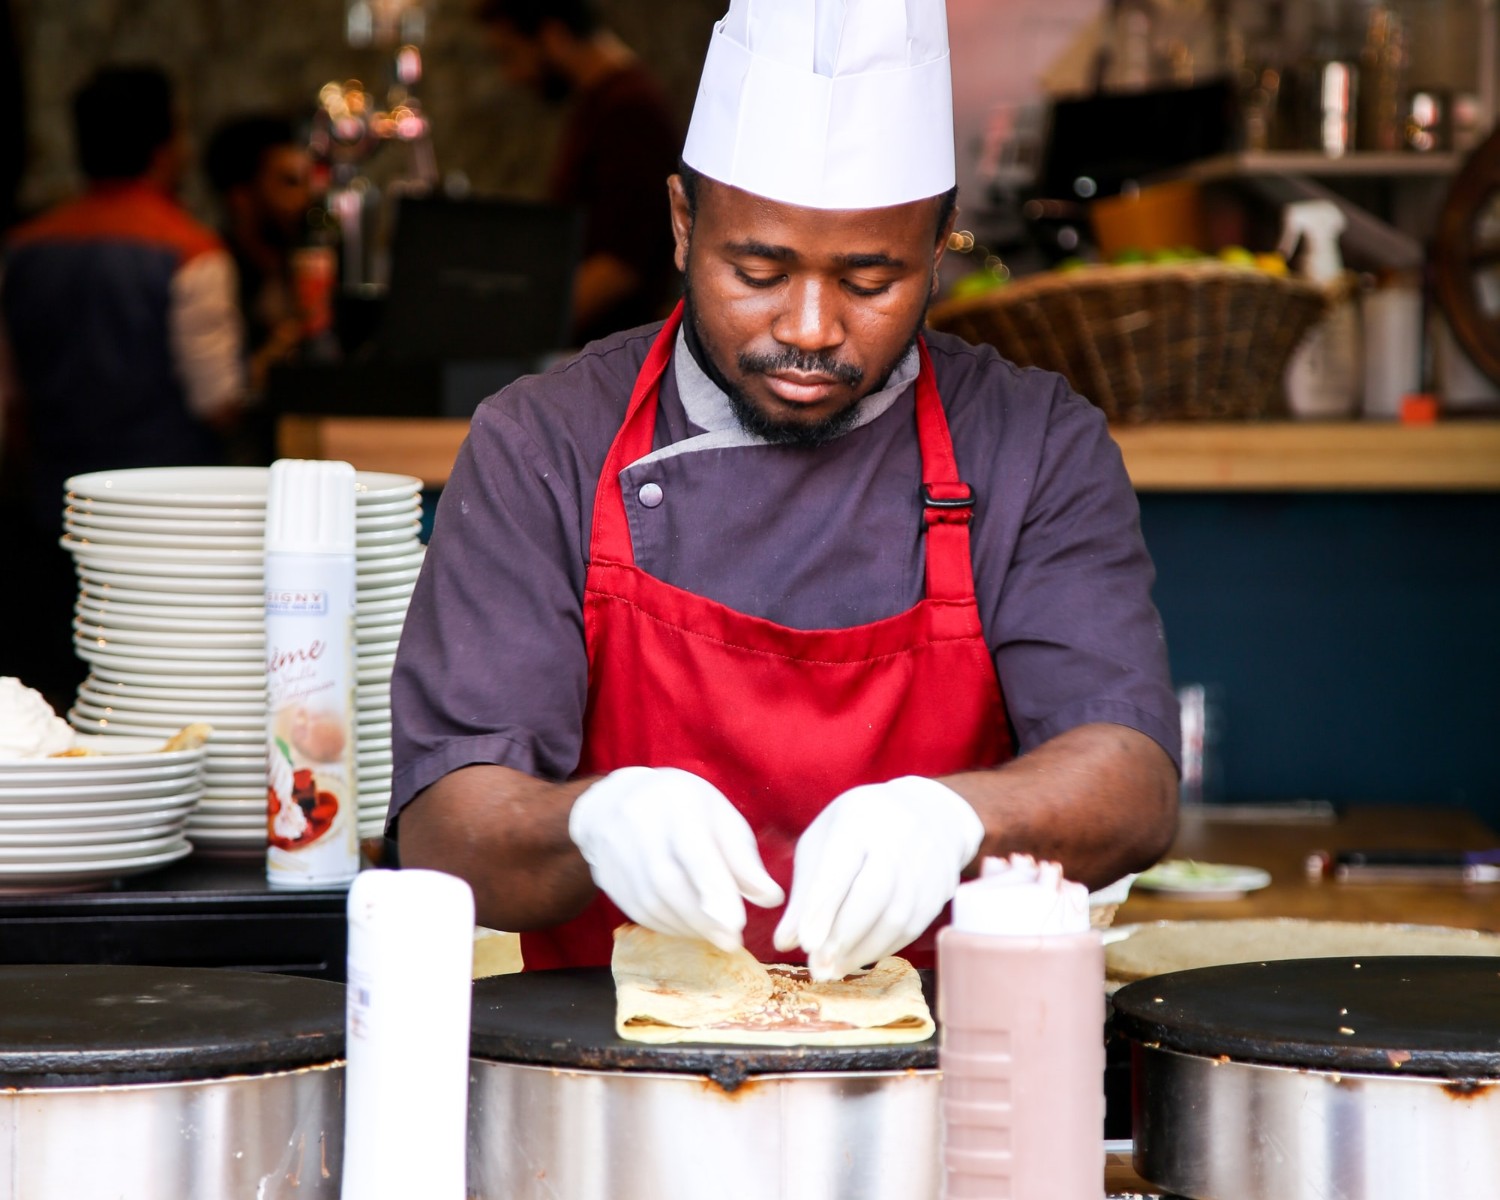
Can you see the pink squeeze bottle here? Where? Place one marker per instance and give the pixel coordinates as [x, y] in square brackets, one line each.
[1021, 1005]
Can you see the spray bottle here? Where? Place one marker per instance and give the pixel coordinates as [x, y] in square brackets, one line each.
[1323, 379]
[312, 826]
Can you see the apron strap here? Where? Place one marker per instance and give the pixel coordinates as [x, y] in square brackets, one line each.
[609, 540]
[947, 502]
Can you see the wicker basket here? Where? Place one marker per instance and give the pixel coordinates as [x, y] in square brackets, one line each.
[1147, 342]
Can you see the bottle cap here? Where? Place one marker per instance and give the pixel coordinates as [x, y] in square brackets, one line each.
[1021, 897]
[310, 507]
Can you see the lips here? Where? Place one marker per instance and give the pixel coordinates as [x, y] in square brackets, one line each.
[796, 387]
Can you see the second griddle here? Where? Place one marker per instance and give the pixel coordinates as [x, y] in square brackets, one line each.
[1387, 1015]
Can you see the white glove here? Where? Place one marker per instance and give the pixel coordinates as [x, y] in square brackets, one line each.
[874, 870]
[672, 852]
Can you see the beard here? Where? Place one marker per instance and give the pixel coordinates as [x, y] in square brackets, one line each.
[788, 431]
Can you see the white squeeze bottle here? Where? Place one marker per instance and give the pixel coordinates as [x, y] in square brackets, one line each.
[1323, 379]
[311, 822]
[406, 1082]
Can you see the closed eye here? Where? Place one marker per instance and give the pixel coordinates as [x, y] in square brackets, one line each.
[757, 281]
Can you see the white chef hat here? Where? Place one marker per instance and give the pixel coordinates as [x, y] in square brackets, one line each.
[827, 103]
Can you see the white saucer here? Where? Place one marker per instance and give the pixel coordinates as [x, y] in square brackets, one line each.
[1186, 879]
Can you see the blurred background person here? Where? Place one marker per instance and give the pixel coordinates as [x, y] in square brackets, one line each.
[122, 343]
[261, 172]
[619, 144]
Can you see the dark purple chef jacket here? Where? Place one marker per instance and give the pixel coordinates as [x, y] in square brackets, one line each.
[492, 666]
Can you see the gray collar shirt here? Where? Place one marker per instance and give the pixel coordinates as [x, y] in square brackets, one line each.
[492, 666]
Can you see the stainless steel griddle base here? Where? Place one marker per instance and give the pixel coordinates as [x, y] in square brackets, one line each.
[1224, 1130]
[544, 1133]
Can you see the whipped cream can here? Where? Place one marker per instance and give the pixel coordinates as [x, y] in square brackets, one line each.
[312, 829]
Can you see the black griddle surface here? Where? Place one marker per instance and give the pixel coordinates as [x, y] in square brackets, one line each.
[1388, 1015]
[566, 1018]
[76, 1026]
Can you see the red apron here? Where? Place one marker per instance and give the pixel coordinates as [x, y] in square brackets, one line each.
[780, 720]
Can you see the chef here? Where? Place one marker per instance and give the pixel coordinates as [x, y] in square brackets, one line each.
[762, 625]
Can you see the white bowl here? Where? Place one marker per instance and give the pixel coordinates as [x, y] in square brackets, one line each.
[112, 755]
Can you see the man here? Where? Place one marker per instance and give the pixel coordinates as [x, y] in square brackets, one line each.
[767, 600]
[620, 141]
[122, 339]
[260, 170]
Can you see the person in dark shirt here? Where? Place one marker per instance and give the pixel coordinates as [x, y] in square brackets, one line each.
[618, 148]
[260, 169]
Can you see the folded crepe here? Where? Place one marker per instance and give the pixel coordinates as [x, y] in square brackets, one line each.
[672, 989]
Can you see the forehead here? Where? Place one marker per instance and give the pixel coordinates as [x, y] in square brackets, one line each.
[734, 215]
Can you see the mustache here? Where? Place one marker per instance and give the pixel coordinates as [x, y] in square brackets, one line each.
[796, 360]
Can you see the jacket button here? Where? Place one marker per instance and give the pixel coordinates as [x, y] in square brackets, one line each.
[650, 494]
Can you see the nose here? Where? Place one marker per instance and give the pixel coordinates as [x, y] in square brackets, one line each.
[812, 319]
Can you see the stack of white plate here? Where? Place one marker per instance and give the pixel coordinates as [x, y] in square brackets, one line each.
[171, 619]
[71, 823]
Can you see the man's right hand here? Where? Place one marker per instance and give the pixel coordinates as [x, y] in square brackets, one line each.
[672, 852]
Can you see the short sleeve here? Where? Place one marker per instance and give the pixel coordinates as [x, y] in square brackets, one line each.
[492, 666]
[1076, 636]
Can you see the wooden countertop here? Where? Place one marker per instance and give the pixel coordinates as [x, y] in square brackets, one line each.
[1459, 455]
[1283, 848]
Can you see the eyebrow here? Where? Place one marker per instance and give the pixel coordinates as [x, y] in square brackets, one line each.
[849, 262]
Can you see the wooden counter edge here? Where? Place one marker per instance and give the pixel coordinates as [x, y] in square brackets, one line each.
[1459, 455]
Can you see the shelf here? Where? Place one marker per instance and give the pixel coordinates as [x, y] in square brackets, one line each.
[1460, 455]
[1452, 456]
[1320, 166]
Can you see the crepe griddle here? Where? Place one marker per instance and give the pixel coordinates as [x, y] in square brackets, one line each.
[1438, 1017]
[566, 1018]
[80, 1026]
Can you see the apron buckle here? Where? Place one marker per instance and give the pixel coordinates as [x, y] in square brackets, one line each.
[947, 503]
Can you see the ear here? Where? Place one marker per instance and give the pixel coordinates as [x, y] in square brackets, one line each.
[682, 221]
[942, 242]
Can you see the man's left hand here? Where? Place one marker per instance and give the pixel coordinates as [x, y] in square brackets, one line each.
[874, 870]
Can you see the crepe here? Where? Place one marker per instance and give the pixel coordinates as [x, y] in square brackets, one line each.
[1180, 945]
[671, 989]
